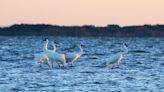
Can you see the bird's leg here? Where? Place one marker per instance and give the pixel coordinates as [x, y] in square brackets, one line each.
[58, 65]
[48, 63]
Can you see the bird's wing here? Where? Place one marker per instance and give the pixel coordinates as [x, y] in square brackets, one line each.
[114, 58]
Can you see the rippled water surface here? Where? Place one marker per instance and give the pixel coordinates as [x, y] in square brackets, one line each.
[142, 69]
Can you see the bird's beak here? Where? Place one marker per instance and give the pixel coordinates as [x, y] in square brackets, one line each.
[45, 39]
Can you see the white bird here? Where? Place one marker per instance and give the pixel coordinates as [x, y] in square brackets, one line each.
[116, 59]
[42, 58]
[74, 56]
[56, 57]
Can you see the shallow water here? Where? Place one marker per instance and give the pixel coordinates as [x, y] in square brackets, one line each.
[141, 70]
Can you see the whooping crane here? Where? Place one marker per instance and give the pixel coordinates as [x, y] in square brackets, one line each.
[116, 58]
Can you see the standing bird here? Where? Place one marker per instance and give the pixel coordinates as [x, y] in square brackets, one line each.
[116, 59]
[56, 57]
[42, 58]
[74, 56]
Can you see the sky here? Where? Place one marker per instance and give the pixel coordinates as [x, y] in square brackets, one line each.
[82, 12]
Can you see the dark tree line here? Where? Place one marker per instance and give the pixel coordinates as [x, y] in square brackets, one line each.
[86, 30]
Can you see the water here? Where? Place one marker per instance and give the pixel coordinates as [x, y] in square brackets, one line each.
[141, 70]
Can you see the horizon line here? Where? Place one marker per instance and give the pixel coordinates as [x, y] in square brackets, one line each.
[79, 25]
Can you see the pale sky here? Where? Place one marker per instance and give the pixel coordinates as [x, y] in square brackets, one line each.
[82, 12]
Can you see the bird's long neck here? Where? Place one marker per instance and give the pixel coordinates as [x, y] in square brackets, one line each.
[81, 50]
[46, 46]
[126, 50]
[54, 48]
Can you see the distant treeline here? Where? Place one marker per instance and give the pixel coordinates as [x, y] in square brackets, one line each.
[86, 30]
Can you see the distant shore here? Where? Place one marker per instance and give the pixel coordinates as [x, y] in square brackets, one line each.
[86, 30]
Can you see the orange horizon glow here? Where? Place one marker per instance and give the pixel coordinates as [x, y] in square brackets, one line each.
[82, 12]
